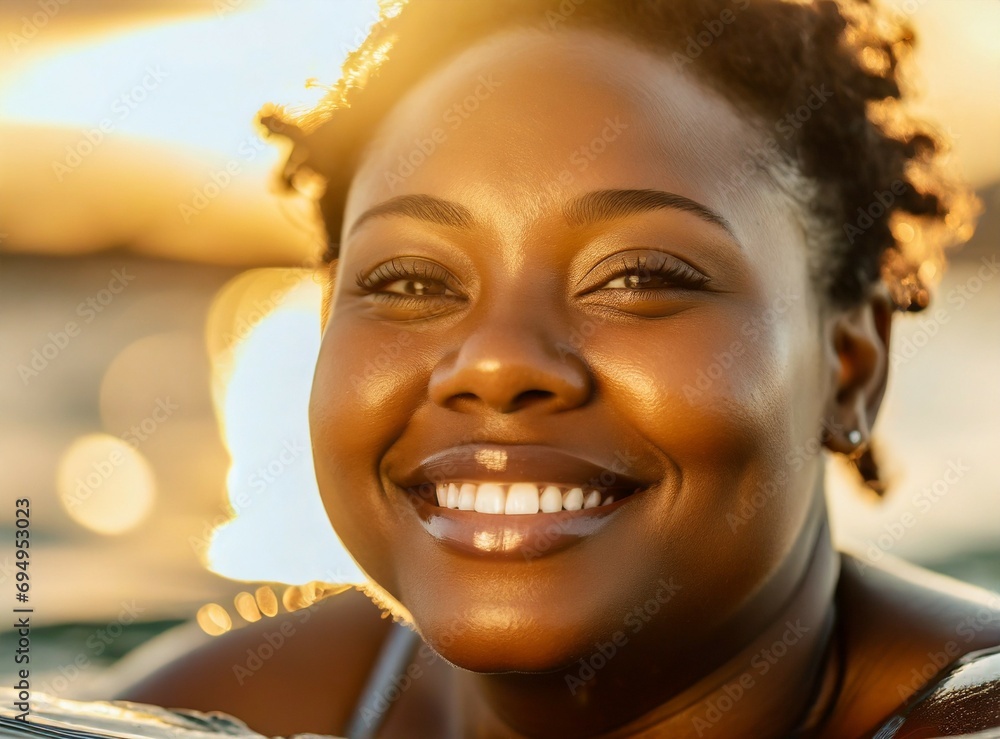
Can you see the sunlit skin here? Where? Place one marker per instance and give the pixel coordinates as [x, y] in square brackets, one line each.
[498, 363]
[513, 323]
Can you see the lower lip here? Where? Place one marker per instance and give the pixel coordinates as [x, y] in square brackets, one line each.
[523, 536]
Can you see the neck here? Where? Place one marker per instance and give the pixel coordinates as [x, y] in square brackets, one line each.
[772, 651]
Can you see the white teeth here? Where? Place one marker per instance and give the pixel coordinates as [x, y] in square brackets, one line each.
[490, 498]
[467, 497]
[516, 498]
[573, 500]
[551, 500]
[522, 497]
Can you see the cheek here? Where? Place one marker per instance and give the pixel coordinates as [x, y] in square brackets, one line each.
[367, 386]
[725, 398]
[367, 381]
[698, 383]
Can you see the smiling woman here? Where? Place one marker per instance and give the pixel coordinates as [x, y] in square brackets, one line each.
[643, 280]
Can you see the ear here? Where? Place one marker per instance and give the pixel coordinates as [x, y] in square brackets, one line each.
[858, 352]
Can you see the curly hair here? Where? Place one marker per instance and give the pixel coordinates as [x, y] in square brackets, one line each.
[881, 206]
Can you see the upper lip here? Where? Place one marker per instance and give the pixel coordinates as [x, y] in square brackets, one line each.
[518, 463]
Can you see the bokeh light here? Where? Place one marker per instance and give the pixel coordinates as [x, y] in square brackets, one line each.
[105, 484]
[213, 619]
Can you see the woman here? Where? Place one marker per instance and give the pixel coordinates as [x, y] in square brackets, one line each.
[636, 264]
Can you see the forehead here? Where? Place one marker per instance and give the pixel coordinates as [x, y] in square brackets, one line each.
[525, 120]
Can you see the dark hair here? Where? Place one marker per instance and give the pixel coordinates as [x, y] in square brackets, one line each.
[882, 209]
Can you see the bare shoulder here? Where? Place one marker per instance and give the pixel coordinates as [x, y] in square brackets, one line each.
[296, 672]
[903, 626]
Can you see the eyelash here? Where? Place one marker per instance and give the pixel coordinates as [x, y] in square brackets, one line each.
[404, 269]
[672, 271]
[658, 264]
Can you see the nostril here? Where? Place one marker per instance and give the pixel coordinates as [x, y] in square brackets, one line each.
[519, 402]
[529, 398]
[509, 376]
[460, 399]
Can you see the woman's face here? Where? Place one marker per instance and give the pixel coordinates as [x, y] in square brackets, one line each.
[530, 318]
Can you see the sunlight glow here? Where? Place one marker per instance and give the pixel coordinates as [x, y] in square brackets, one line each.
[186, 81]
[263, 335]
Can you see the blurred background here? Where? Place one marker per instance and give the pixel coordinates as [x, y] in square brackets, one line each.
[159, 323]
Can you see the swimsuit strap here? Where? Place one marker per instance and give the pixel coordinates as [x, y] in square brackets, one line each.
[834, 656]
[377, 698]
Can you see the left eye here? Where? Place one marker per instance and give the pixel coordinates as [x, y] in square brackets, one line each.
[416, 287]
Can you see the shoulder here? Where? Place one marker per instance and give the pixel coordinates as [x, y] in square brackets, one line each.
[311, 663]
[903, 628]
[965, 700]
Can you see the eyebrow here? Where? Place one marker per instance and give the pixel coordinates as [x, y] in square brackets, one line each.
[606, 205]
[422, 207]
[593, 207]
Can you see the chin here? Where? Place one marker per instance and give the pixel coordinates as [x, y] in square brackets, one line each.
[502, 654]
[499, 639]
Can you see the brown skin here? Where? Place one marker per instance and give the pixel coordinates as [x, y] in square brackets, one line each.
[894, 618]
[525, 277]
[498, 359]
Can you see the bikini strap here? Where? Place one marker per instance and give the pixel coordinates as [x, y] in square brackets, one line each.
[376, 698]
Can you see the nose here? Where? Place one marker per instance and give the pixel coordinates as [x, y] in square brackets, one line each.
[509, 368]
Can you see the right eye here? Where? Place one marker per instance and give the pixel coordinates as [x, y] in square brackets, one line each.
[421, 286]
[410, 287]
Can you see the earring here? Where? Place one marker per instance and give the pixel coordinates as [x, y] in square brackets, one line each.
[854, 436]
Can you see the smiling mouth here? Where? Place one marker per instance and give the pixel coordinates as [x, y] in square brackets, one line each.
[518, 498]
[517, 480]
